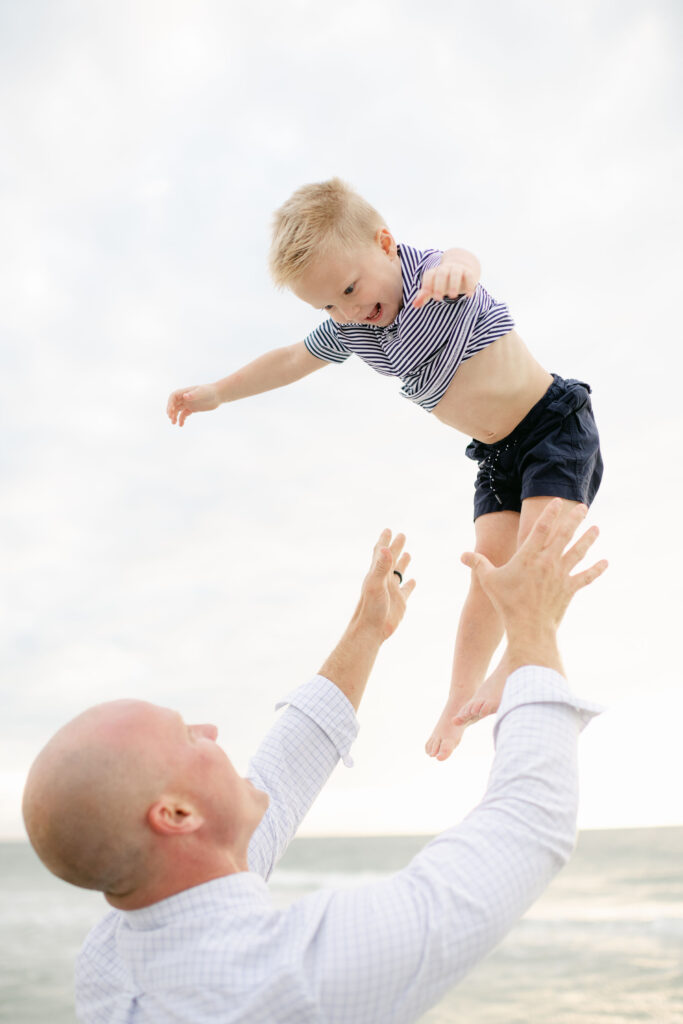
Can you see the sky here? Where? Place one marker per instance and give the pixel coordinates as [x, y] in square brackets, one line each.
[211, 569]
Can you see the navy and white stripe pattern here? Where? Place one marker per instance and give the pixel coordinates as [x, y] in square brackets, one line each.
[423, 347]
[381, 953]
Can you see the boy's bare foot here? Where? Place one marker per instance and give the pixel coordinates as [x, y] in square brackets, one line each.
[446, 735]
[485, 701]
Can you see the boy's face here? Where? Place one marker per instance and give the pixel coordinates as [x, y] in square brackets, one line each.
[364, 286]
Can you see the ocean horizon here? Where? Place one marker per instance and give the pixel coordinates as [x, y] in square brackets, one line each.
[603, 945]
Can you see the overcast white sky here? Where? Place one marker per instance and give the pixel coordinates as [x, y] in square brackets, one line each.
[144, 147]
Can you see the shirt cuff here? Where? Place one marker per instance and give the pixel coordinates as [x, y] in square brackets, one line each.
[327, 706]
[534, 684]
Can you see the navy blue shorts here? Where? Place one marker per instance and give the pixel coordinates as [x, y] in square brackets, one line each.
[554, 452]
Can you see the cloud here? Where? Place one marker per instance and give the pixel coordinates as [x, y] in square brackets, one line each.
[145, 146]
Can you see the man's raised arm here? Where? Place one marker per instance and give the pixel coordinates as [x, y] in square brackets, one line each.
[299, 753]
[388, 951]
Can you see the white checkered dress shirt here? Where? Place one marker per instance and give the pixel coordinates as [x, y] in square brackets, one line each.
[384, 952]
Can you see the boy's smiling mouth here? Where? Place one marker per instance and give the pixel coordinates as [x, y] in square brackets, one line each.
[375, 315]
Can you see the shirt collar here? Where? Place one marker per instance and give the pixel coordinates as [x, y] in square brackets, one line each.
[230, 893]
[408, 258]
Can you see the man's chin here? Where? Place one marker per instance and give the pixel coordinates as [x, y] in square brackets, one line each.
[261, 795]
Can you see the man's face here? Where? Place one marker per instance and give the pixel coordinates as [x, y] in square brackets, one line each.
[364, 286]
[231, 805]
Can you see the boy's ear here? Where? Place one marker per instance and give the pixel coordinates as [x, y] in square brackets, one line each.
[386, 241]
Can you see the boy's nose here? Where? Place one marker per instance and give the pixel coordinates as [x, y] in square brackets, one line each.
[351, 310]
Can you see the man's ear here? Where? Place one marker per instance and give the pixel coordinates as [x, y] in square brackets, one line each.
[173, 816]
[386, 241]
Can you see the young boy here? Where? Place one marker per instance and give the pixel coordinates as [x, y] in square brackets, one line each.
[421, 315]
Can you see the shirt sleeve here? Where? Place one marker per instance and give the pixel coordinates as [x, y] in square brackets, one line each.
[325, 343]
[388, 951]
[294, 762]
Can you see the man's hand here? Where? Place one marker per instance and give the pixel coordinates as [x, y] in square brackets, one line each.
[457, 274]
[532, 591]
[383, 596]
[381, 606]
[184, 401]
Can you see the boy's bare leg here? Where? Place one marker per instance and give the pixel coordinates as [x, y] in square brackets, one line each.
[487, 698]
[479, 632]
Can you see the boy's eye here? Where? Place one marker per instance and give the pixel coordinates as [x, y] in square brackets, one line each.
[327, 308]
[348, 291]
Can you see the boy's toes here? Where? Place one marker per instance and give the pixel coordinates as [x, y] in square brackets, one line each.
[475, 710]
[431, 746]
[467, 714]
[446, 748]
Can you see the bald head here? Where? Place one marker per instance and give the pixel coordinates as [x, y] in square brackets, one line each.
[88, 792]
[128, 799]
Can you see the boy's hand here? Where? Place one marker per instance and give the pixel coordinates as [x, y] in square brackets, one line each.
[457, 274]
[198, 398]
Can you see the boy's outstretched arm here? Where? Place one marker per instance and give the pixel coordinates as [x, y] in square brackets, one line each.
[457, 274]
[273, 369]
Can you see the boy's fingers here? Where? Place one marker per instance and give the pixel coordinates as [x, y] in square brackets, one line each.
[468, 284]
[582, 579]
[452, 285]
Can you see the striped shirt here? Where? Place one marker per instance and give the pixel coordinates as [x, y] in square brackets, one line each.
[381, 953]
[423, 347]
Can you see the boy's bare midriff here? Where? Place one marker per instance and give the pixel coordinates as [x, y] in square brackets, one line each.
[494, 390]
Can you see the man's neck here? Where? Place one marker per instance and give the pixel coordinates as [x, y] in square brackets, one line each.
[170, 882]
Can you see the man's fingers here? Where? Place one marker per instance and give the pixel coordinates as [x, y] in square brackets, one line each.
[582, 579]
[382, 560]
[566, 526]
[407, 588]
[397, 544]
[402, 564]
[578, 550]
[542, 531]
[383, 541]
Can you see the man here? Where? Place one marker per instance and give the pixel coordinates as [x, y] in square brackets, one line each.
[128, 799]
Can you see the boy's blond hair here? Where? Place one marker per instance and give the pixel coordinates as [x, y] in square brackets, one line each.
[315, 220]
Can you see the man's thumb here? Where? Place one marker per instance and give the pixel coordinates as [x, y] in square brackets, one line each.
[476, 561]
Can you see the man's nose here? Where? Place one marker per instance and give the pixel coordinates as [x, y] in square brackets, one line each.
[208, 730]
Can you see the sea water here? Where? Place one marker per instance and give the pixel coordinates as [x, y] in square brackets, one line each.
[604, 945]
